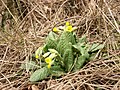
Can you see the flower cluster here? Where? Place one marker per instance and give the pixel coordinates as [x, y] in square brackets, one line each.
[48, 56]
[68, 27]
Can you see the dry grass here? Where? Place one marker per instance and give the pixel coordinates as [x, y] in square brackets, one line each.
[98, 19]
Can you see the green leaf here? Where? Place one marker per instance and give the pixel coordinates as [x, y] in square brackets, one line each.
[84, 52]
[81, 46]
[39, 74]
[78, 46]
[96, 47]
[82, 39]
[86, 55]
[83, 49]
[45, 48]
[68, 58]
[29, 65]
[56, 71]
[65, 39]
[79, 63]
[92, 56]
[52, 35]
[52, 40]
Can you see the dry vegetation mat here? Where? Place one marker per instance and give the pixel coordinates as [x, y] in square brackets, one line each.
[24, 29]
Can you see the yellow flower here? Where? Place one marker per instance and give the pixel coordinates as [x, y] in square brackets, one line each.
[69, 28]
[67, 24]
[55, 29]
[48, 60]
[49, 65]
[37, 56]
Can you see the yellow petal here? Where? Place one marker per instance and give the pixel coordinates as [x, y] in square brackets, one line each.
[55, 29]
[69, 28]
[48, 60]
[49, 65]
[67, 24]
[37, 56]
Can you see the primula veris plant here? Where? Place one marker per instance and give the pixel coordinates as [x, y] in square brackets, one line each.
[63, 52]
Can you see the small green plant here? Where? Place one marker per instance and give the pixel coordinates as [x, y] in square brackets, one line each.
[63, 52]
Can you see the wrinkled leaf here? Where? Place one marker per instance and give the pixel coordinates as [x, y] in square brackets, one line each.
[86, 55]
[39, 74]
[82, 39]
[96, 47]
[84, 52]
[45, 48]
[82, 49]
[52, 36]
[28, 65]
[78, 46]
[65, 39]
[57, 71]
[51, 40]
[68, 58]
[79, 63]
[92, 56]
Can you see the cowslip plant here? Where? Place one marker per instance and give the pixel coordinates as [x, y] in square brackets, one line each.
[63, 52]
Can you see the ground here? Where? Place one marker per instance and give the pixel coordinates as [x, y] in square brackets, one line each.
[19, 38]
